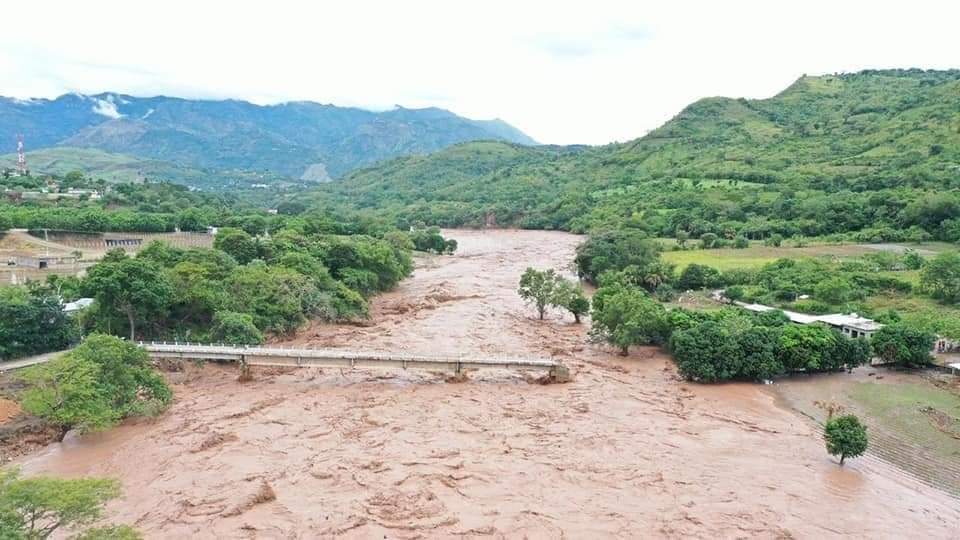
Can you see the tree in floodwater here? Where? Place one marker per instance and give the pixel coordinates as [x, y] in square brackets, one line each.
[37, 507]
[570, 296]
[626, 316]
[845, 437]
[95, 385]
[539, 287]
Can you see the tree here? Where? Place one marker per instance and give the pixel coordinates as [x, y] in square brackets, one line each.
[539, 287]
[941, 277]
[809, 348]
[65, 392]
[626, 316]
[100, 382]
[36, 507]
[135, 288]
[235, 328]
[774, 240]
[699, 276]
[845, 437]
[903, 345]
[236, 242]
[570, 297]
[682, 237]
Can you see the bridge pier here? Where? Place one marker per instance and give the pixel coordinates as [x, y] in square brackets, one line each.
[245, 374]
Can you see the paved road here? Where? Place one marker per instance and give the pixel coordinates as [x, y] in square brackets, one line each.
[28, 361]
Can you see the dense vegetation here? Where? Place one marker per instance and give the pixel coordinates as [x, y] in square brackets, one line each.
[32, 321]
[871, 156]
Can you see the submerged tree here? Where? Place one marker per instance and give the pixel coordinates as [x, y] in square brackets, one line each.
[625, 316]
[539, 287]
[570, 296]
[845, 437]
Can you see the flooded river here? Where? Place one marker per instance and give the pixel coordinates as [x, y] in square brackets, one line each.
[626, 450]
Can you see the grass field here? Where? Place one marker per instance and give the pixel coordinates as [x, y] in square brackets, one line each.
[925, 414]
[758, 255]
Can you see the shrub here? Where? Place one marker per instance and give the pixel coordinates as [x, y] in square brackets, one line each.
[699, 276]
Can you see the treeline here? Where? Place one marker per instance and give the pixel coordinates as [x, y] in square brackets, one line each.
[244, 289]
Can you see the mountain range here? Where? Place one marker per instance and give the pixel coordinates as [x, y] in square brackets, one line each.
[830, 153]
[301, 140]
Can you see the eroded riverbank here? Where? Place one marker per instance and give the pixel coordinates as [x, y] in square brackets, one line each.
[626, 450]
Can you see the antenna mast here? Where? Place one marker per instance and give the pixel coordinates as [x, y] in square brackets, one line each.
[21, 157]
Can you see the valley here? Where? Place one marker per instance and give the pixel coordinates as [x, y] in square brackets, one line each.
[627, 449]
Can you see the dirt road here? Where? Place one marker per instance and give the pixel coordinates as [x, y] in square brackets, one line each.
[626, 450]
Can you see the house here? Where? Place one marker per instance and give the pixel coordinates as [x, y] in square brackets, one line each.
[851, 325]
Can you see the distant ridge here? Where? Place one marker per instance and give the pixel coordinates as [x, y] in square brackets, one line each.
[294, 139]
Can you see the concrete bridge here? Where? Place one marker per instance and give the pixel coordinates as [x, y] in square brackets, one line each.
[333, 358]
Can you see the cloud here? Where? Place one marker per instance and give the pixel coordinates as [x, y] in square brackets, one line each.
[106, 107]
[564, 72]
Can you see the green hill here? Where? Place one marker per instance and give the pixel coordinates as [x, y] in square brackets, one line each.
[875, 155]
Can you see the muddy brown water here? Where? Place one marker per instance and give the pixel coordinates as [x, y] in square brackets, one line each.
[626, 450]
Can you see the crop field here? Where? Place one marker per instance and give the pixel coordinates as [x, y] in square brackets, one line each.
[758, 254]
[922, 412]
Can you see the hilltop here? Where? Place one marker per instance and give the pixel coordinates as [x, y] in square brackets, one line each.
[869, 153]
[301, 140]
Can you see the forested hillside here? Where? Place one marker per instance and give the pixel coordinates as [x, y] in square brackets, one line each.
[302, 139]
[872, 156]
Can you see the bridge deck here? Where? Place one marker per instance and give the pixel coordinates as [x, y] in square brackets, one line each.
[273, 356]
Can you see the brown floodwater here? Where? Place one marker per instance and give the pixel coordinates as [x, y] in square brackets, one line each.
[625, 450]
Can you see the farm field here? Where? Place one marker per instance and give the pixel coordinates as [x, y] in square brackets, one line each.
[758, 254]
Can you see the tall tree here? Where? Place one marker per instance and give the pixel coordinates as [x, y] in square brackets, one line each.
[134, 288]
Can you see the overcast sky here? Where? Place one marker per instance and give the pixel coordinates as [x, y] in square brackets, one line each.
[589, 71]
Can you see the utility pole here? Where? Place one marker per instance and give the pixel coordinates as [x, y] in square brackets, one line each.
[21, 157]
